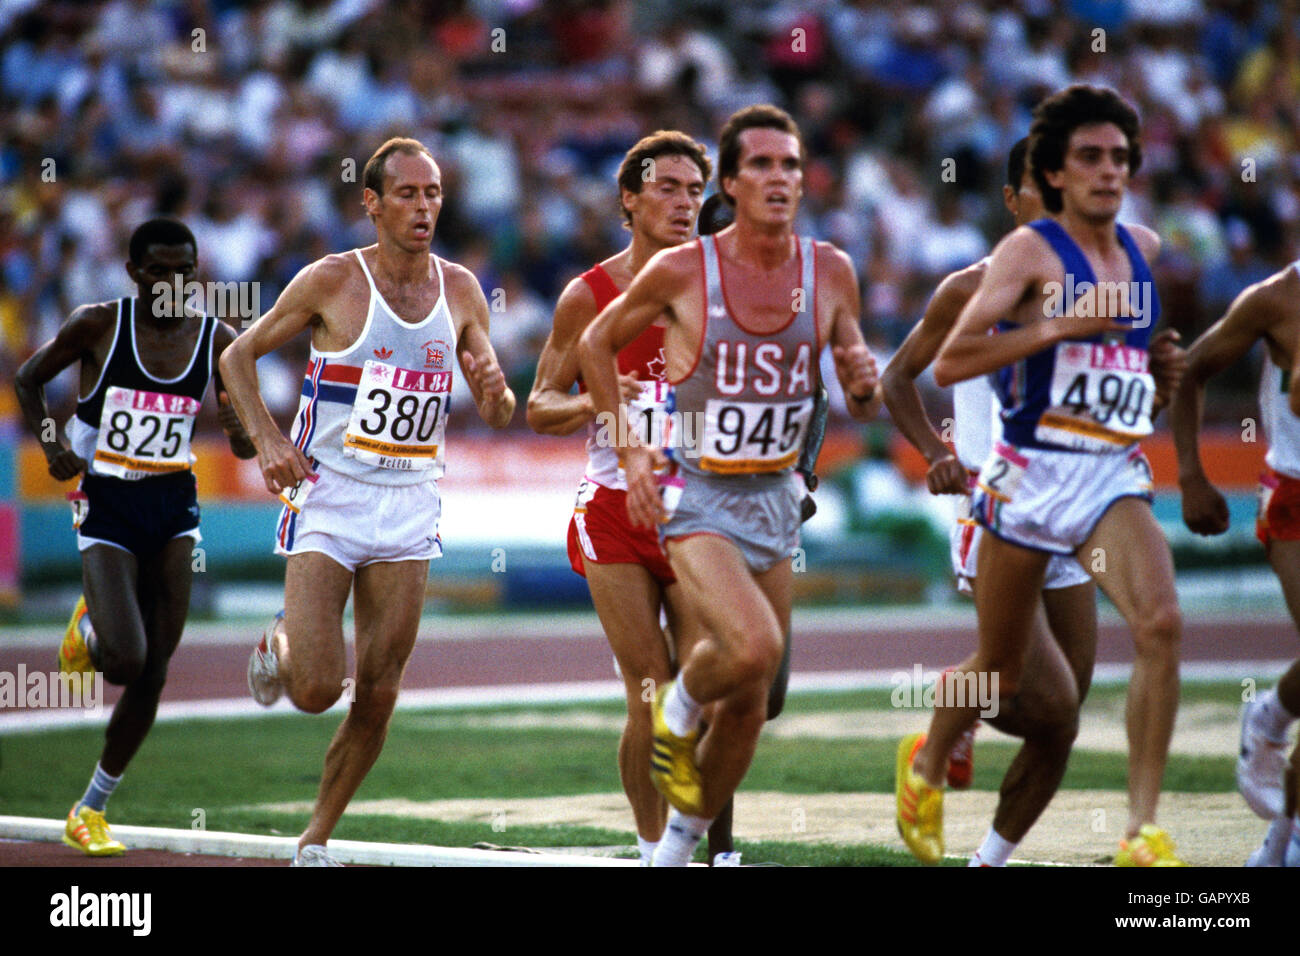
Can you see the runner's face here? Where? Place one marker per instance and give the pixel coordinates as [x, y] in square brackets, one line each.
[769, 177]
[668, 204]
[166, 265]
[1095, 173]
[408, 209]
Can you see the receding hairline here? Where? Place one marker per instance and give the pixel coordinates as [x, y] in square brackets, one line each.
[411, 151]
[740, 141]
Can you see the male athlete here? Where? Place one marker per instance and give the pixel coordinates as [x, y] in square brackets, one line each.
[359, 479]
[745, 322]
[1068, 595]
[1074, 302]
[1267, 311]
[661, 186]
[145, 366]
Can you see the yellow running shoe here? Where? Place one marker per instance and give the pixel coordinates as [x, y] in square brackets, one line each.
[87, 831]
[672, 761]
[919, 805]
[74, 656]
[1151, 847]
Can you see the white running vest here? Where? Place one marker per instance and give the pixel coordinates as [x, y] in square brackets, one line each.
[377, 410]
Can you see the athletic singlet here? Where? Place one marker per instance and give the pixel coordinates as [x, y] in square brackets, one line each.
[377, 410]
[643, 357]
[975, 419]
[1281, 425]
[745, 406]
[133, 425]
[1086, 395]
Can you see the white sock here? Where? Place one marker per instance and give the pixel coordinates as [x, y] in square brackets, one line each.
[681, 713]
[1271, 717]
[647, 848]
[1292, 853]
[994, 851]
[682, 835]
[1274, 847]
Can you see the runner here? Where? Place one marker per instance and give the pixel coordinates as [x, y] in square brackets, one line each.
[742, 363]
[145, 366]
[359, 480]
[1068, 595]
[661, 186]
[1074, 303]
[1264, 311]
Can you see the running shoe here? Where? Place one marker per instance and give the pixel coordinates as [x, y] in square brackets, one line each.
[1261, 766]
[74, 655]
[314, 855]
[672, 761]
[919, 806]
[961, 761]
[264, 667]
[87, 831]
[1151, 847]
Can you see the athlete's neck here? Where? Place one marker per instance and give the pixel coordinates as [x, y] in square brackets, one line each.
[641, 250]
[767, 247]
[396, 265]
[1098, 235]
[158, 312]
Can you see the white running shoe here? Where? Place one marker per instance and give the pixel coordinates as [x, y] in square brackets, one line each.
[314, 855]
[1261, 766]
[731, 858]
[264, 668]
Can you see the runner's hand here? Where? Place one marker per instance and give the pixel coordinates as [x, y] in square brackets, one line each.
[946, 476]
[65, 464]
[488, 378]
[629, 388]
[856, 369]
[1168, 365]
[283, 464]
[1204, 510]
[227, 417]
[645, 508]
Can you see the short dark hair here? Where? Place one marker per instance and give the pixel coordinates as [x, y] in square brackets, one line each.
[1058, 116]
[162, 231]
[715, 215]
[664, 142]
[1016, 163]
[373, 175]
[762, 116]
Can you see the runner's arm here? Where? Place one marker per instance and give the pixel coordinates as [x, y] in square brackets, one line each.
[1204, 509]
[478, 360]
[945, 475]
[855, 366]
[74, 342]
[240, 444]
[298, 307]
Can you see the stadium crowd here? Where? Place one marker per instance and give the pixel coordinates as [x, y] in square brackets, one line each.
[249, 121]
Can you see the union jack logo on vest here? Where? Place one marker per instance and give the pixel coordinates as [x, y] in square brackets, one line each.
[383, 352]
[433, 357]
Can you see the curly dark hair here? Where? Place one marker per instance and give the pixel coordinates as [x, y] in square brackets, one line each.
[1058, 116]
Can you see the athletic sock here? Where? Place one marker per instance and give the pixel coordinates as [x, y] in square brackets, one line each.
[994, 851]
[681, 713]
[647, 848]
[1271, 717]
[682, 835]
[1291, 856]
[101, 788]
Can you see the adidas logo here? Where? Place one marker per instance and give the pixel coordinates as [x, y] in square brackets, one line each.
[383, 353]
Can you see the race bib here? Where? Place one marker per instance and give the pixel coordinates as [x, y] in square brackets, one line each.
[296, 497]
[1002, 473]
[753, 437]
[647, 414]
[80, 507]
[1101, 397]
[144, 433]
[398, 418]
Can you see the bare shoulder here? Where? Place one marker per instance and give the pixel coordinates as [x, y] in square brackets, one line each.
[1147, 240]
[577, 299]
[834, 265]
[1272, 299]
[329, 276]
[463, 287]
[90, 323]
[676, 264]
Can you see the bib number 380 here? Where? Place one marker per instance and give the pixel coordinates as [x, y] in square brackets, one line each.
[398, 418]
